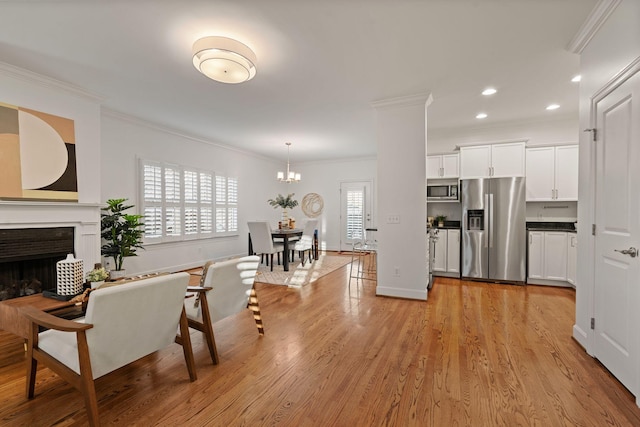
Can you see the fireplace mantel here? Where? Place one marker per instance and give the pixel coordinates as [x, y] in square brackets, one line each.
[84, 217]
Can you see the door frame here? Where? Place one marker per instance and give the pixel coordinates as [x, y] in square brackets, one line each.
[616, 81]
[370, 202]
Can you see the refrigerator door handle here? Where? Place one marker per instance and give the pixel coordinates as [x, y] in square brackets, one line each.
[491, 231]
[486, 215]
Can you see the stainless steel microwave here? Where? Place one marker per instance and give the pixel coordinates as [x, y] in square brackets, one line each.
[442, 192]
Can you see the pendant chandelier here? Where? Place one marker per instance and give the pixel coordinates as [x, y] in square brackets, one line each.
[289, 176]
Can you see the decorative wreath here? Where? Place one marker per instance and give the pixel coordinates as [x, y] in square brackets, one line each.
[312, 205]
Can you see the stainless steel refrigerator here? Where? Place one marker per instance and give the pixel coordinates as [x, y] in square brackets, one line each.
[494, 236]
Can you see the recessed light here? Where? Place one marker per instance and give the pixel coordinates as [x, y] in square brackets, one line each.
[553, 107]
[577, 78]
[489, 91]
[481, 116]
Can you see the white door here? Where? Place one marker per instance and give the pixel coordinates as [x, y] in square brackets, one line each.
[617, 275]
[355, 212]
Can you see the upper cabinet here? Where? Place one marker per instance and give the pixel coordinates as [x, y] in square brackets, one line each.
[443, 166]
[552, 173]
[492, 161]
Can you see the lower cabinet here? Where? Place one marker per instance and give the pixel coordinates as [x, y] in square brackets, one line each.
[447, 253]
[552, 259]
[572, 258]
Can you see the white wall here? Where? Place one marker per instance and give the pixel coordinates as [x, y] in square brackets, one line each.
[124, 140]
[615, 46]
[401, 148]
[554, 131]
[23, 88]
[324, 178]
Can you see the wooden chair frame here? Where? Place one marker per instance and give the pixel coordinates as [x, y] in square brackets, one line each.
[83, 382]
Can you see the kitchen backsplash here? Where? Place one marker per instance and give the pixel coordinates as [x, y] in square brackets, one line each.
[552, 211]
[452, 210]
[536, 211]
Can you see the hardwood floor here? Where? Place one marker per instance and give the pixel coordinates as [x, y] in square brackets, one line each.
[474, 354]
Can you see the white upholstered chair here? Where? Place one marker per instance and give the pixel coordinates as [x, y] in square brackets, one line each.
[262, 241]
[306, 240]
[122, 324]
[226, 288]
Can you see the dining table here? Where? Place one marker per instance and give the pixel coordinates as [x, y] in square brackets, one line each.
[285, 234]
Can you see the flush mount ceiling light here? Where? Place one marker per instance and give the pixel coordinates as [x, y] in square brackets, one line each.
[290, 175]
[481, 116]
[224, 60]
[553, 107]
[489, 91]
[577, 78]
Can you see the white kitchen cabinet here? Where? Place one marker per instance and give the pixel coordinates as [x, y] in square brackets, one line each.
[567, 173]
[552, 173]
[547, 261]
[447, 253]
[555, 255]
[572, 258]
[440, 254]
[443, 166]
[536, 255]
[492, 161]
[453, 251]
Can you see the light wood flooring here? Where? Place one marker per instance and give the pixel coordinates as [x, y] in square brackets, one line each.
[474, 354]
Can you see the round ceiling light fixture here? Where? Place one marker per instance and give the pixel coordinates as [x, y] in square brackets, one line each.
[224, 60]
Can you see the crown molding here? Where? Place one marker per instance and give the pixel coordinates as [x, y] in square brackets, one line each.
[12, 71]
[179, 133]
[404, 101]
[590, 27]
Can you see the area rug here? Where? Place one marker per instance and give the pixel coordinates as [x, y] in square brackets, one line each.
[298, 275]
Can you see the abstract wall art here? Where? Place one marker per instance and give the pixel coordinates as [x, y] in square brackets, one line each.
[37, 155]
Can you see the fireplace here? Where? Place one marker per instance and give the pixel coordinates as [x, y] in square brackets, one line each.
[28, 258]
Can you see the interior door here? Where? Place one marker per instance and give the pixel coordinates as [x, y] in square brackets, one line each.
[617, 291]
[355, 212]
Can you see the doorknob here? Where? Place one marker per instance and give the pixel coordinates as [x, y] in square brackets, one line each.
[633, 252]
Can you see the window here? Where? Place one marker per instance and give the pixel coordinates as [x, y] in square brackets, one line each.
[355, 214]
[179, 204]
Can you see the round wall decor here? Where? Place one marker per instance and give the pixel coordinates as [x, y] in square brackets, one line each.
[312, 205]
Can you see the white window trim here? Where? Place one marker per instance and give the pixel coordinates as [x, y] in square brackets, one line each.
[163, 204]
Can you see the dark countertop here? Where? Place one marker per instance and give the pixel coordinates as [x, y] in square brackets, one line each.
[449, 225]
[551, 226]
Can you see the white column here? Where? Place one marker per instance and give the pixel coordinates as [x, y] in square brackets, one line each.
[401, 149]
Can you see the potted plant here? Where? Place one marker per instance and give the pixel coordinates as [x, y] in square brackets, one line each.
[440, 220]
[97, 276]
[121, 233]
[285, 203]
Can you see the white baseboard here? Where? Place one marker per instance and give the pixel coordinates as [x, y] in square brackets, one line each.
[402, 293]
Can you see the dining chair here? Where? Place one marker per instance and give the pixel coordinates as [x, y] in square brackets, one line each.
[262, 242]
[306, 241]
[226, 288]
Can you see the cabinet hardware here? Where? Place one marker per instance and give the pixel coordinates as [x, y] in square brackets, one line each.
[593, 323]
[593, 229]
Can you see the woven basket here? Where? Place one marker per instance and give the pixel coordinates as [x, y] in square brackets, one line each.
[70, 272]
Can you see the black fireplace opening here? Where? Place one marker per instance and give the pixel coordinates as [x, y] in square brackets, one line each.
[28, 258]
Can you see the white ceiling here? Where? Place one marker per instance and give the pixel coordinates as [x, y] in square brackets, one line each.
[321, 63]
